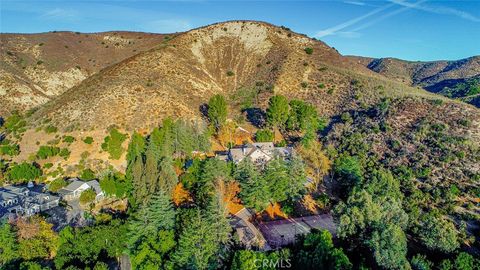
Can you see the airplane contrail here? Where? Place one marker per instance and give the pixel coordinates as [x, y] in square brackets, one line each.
[387, 15]
[332, 30]
[438, 10]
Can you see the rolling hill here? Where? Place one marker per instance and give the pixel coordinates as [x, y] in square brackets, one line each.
[34, 68]
[456, 79]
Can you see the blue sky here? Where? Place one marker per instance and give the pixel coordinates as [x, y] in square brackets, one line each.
[407, 29]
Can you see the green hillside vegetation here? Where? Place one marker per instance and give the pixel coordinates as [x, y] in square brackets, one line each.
[470, 87]
[112, 143]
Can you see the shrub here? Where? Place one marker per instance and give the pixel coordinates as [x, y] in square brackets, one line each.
[68, 139]
[57, 184]
[113, 143]
[87, 196]
[230, 73]
[10, 149]
[51, 129]
[281, 143]
[87, 174]
[308, 50]
[47, 151]
[15, 123]
[84, 155]
[65, 153]
[321, 85]
[304, 84]
[48, 165]
[464, 122]
[88, 140]
[346, 117]
[437, 102]
[53, 142]
[264, 135]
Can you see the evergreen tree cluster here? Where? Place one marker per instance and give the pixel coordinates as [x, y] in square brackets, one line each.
[279, 181]
[151, 160]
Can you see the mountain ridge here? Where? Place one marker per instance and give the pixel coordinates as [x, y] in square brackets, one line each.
[441, 76]
[255, 53]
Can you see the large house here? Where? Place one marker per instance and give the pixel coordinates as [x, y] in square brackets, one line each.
[25, 200]
[76, 187]
[259, 153]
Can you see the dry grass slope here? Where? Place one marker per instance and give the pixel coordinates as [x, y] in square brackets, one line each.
[34, 68]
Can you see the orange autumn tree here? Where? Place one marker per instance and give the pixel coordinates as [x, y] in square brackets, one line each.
[181, 195]
[274, 209]
[310, 204]
[228, 192]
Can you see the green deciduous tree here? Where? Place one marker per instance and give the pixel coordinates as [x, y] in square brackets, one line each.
[438, 233]
[318, 252]
[57, 184]
[348, 172]
[87, 174]
[465, 261]
[389, 246]
[85, 247]
[373, 212]
[115, 184]
[302, 116]
[23, 172]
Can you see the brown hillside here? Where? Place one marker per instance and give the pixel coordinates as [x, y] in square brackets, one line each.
[37, 67]
[176, 78]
